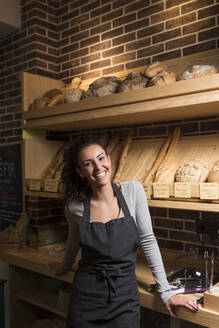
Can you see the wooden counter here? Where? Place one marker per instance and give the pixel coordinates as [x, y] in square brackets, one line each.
[37, 263]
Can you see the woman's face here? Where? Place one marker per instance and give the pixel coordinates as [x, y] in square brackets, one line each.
[94, 165]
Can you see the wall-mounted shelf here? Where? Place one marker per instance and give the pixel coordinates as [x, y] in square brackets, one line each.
[189, 99]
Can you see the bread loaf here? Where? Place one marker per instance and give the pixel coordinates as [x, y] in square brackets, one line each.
[103, 86]
[194, 171]
[164, 77]
[214, 173]
[166, 172]
[155, 68]
[198, 71]
[133, 81]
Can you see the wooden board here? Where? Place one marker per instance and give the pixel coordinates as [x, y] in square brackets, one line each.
[34, 86]
[38, 154]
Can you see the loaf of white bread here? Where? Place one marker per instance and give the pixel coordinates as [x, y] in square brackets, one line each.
[194, 171]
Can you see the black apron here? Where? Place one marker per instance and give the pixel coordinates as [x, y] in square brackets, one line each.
[104, 291]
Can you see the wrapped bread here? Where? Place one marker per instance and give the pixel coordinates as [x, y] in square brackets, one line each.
[164, 77]
[214, 173]
[166, 172]
[72, 92]
[198, 71]
[103, 86]
[194, 171]
[133, 81]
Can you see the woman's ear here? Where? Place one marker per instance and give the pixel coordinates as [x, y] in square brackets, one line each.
[79, 172]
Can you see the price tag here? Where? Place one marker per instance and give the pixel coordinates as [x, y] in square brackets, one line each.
[208, 190]
[35, 184]
[51, 185]
[182, 190]
[161, 190]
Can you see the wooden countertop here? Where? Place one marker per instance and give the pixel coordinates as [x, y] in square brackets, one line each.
[31, 260]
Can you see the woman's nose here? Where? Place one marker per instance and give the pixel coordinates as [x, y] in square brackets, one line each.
[97, 165]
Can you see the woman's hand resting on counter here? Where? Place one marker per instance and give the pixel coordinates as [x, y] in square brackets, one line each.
[180, 300]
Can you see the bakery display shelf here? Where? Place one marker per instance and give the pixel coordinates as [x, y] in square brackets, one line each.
[41, 298]
[194, 205]
[180, 100]
[42, 194]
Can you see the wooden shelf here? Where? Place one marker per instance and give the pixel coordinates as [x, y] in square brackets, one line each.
[181, 100]
[41, 298]
[188, 205]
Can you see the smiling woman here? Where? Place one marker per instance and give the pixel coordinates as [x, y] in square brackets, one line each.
[107, 221]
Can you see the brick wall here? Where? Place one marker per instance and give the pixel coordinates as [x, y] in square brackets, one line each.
[64, 38]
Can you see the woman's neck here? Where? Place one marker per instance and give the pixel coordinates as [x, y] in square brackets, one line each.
[103, 193]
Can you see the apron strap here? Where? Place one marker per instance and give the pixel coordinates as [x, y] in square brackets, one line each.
[120, 198]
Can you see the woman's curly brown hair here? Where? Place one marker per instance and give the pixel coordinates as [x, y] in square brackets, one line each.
[72, 186]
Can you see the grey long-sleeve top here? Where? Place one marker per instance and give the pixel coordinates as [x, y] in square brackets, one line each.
[136, 200]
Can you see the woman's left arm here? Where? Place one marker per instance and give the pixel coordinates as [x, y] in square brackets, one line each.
[152, 253]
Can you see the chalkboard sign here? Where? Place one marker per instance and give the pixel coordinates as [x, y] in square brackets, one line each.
[11, 195]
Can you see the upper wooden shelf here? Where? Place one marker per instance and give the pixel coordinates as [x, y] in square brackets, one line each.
[189, 99]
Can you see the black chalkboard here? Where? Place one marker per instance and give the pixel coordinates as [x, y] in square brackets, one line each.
[11, 194]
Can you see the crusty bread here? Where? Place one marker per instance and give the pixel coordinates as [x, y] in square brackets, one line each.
[198, 71]
[214, 173]
[162, 78]
[103, 86]
[155, 68]
[133, 81]
[194, 171]
[166, 172]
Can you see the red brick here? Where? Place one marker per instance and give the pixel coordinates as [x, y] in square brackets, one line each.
[90, 75]
[209, 11]
[138, 44]
[199, 47]
[100, 46]
[170, 244]
[112, 15]
[198, 26]
[137, 25]
[209, 126]
[136, 6]
[124, 39]
[90, 23]
[209, 34]
[176, 22]
[112, 70]
[166, 35]
[172, 3]
[168, 223]
[89, 41]
[100, 11]
[113, 51]
[124, 20]
[79, 70]
[165, 15]
[120, 3]
[124, 58]
[100, 64]
[151, 10]
[112, 33]
[88, 7]
[80, 19]
[148, 51]
[160, 233]
[90, 58]
[79, 53]
[70, 31]
[150, 30]
[180, 42]
[184, 236]
[70, 64]
[194, 5]
[101, 28]
[137, 63]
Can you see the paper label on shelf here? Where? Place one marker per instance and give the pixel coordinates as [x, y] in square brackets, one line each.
[147, 189]
[35, 184]
[51, 185]
[161, 190]
[209, 190]
[182, 189]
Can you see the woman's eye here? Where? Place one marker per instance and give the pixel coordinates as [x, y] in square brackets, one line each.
[101, 158]
[87, 164]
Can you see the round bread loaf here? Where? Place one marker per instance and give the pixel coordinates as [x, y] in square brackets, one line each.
[133, 81]
[162, 78]
[166, 172]
[154, 69]
[103, 86]
[194, 171]
[214, 173]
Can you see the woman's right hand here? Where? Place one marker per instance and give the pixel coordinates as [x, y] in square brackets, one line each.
[57, 267]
